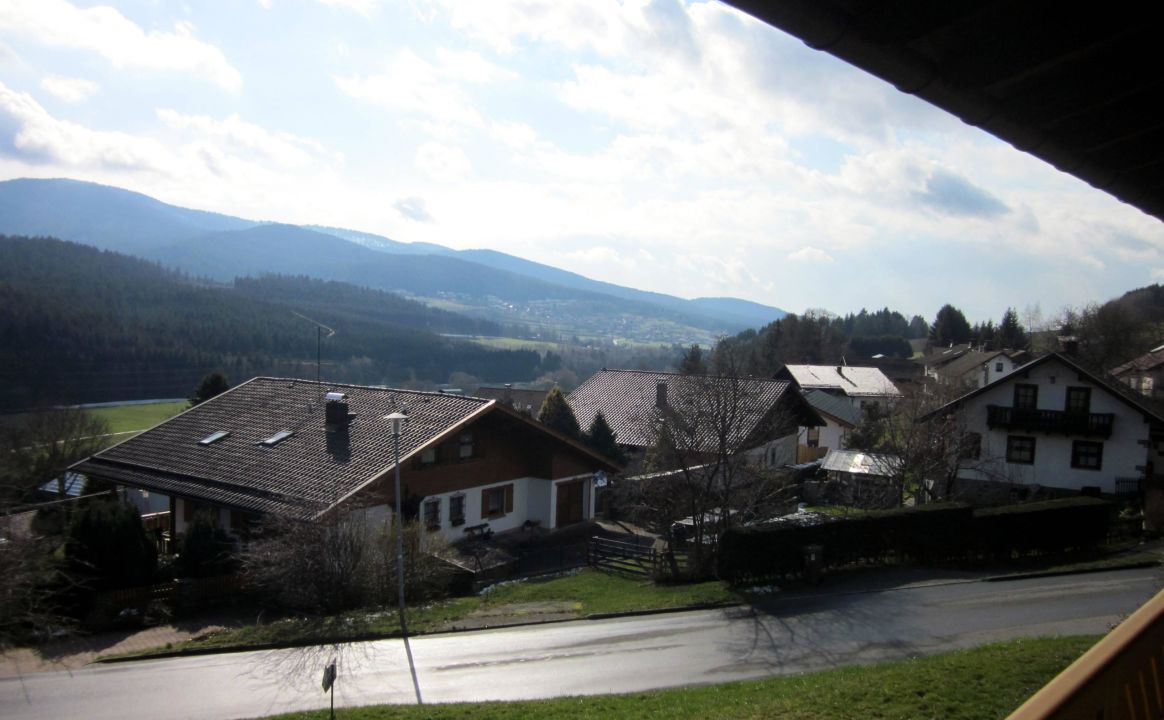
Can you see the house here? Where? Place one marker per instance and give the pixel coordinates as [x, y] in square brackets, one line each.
[523, 400]
[839, 417]
[1055, 424]
[301, 449]
[1144, 374]
[865, 387]
[977, 368]
[765, 413]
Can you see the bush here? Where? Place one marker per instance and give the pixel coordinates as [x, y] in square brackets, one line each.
[341, 562]
[108, 543]
[1052, 526]
[930, 533]
[206, 550]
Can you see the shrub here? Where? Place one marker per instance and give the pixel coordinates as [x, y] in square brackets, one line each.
[930, 533]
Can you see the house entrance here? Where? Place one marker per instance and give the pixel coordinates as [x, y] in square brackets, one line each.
[570, 503]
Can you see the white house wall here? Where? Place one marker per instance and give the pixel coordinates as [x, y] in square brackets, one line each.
[540, 502]
[775, 453]
[831, 436]
[1124, 453]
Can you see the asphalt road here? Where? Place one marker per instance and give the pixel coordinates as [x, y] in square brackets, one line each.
[787, 635]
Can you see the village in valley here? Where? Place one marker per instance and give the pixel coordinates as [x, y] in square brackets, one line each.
[373, 359]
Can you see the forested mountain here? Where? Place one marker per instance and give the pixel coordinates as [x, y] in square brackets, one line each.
[483, 283]
[104, 217]
[84, 325]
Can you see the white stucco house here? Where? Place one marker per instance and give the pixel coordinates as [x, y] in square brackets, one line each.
[862, 386]
[1056, 424]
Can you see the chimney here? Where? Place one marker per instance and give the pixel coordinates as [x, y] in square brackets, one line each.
[335, 412]
[660, 393]
[508, 397]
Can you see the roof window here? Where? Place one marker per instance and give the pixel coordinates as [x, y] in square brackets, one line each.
[277, 438]
[214, 437]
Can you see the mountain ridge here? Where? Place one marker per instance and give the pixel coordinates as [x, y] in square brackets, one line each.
[479, 282]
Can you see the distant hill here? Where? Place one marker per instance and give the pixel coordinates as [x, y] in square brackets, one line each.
[483, 283]
[85, 325]
[104, 217]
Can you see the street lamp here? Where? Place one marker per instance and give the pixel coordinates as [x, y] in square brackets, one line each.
[398, 419]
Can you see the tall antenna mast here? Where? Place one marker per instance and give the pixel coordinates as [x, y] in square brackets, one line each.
[319, 328]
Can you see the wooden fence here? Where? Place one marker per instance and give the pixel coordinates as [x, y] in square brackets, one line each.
[623, 557]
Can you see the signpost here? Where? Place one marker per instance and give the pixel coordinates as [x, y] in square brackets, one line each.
[329, 675]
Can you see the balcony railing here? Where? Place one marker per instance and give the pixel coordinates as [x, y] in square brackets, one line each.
[1118, 678]
[1050, 421]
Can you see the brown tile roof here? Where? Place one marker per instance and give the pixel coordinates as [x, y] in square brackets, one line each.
[301, 475]
[626, 398]
[522, 398]
[968, 361]
[1147, 361]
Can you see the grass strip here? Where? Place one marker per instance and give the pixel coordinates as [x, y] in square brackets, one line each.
[984, 682]
[585, 593]
[127, 418]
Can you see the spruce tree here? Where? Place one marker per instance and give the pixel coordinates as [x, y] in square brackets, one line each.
[556, 413]
[601, 438]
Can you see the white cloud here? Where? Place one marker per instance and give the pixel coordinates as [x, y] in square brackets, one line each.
[442, 162]
[38, 137]
[239, 136]
[599, 25]
[71, 90]
[363, 7]
[810, 255]
[433, 90]
[122, 42]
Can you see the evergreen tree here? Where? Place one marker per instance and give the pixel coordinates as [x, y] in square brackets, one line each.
[557, 414]
[601, 438]
[108, 542]
[950, 327]
[692, 362]
[1011, 334]
[213, 384]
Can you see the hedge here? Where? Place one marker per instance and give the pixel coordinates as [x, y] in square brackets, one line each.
[929, 533]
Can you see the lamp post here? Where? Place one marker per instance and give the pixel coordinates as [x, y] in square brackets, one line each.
[398, 419]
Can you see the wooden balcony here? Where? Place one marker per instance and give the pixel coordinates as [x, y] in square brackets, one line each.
[1120, 678]
[1050, 421]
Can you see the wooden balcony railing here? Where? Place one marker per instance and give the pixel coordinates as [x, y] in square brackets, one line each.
[1122, 676]
[1050, 421]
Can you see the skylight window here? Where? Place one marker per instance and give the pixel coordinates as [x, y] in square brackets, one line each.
[214, 437]
[277, 438]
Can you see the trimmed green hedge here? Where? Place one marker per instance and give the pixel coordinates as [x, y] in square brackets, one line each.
[930, 533]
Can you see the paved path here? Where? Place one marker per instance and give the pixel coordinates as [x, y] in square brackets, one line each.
[793, 634]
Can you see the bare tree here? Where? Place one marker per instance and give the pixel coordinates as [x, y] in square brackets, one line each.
[712, 462]
[40, 449]
[342, 561]
[33, 453]
[926, 450]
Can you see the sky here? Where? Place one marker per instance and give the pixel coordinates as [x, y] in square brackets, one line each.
[680, 147]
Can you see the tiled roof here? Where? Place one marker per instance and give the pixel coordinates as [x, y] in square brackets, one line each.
[522, 398]
[626, 398]
[852, 381]
[837, 406]
[1147, 361]
[968, 361]
[301, 475]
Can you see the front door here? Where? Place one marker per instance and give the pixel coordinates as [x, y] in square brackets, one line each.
[570, 503]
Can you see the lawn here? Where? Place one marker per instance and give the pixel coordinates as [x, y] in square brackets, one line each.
[984, 682]
[128, 418]
[587, 592]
